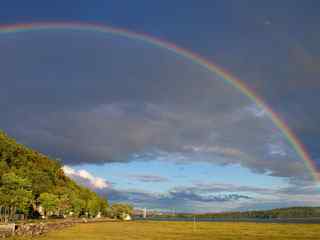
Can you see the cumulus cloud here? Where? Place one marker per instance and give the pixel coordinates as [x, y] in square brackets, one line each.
[84, 177]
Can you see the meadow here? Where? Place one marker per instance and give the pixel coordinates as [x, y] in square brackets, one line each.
[152, 230]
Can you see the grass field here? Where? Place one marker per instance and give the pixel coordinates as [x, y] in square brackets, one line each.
[185, 231]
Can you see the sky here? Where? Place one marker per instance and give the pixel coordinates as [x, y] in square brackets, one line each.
[140, 124]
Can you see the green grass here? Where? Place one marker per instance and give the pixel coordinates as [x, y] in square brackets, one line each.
[185, 231]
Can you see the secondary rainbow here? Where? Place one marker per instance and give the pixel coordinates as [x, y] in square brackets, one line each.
[193, 57]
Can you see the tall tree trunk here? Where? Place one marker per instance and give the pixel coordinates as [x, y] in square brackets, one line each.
[1, 215]
[13, 213]
[6, 214]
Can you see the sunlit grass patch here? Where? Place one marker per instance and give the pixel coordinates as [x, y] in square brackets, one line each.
[185, 230]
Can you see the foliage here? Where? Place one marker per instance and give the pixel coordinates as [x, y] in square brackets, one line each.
[15, 192]
[29, 178]
[49, 202]
[118, 210]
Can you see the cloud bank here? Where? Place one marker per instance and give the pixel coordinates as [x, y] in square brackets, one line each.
[92, 98]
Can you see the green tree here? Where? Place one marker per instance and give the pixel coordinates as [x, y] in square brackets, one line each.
[49, 202]
[93, 206]
[120, 209]
[15, 192]
[104, 206]
[41, 182]
[64, 204]
[78, 205]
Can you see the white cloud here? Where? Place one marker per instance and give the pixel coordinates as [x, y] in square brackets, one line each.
[86, 178]
[85, 174]
[68, 170]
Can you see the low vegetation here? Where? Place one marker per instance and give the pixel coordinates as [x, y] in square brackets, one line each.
[185, 230]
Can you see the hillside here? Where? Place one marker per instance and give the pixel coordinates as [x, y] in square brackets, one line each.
[29, 179]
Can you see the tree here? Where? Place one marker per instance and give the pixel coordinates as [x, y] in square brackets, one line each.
[77, 205]
[15, 192]
[120, 209]
[93, 206]
[41, 182]
[64, 204]
[104, 206]
[49, 202]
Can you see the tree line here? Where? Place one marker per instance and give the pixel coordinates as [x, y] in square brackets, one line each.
[278, 213]
[31, 183]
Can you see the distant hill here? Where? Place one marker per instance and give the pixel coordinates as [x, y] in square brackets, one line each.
[29, 179]
[292, 212]
[279, 213]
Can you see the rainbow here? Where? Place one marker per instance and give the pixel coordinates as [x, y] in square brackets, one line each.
[193, 57]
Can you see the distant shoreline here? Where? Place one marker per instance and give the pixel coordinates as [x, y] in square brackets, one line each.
[256, 220]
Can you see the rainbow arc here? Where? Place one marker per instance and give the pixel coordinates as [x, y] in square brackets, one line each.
[191, 56]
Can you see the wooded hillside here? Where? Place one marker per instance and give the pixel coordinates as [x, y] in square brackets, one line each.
[29, 179]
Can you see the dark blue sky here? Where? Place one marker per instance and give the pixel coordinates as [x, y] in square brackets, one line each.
[272, 46]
